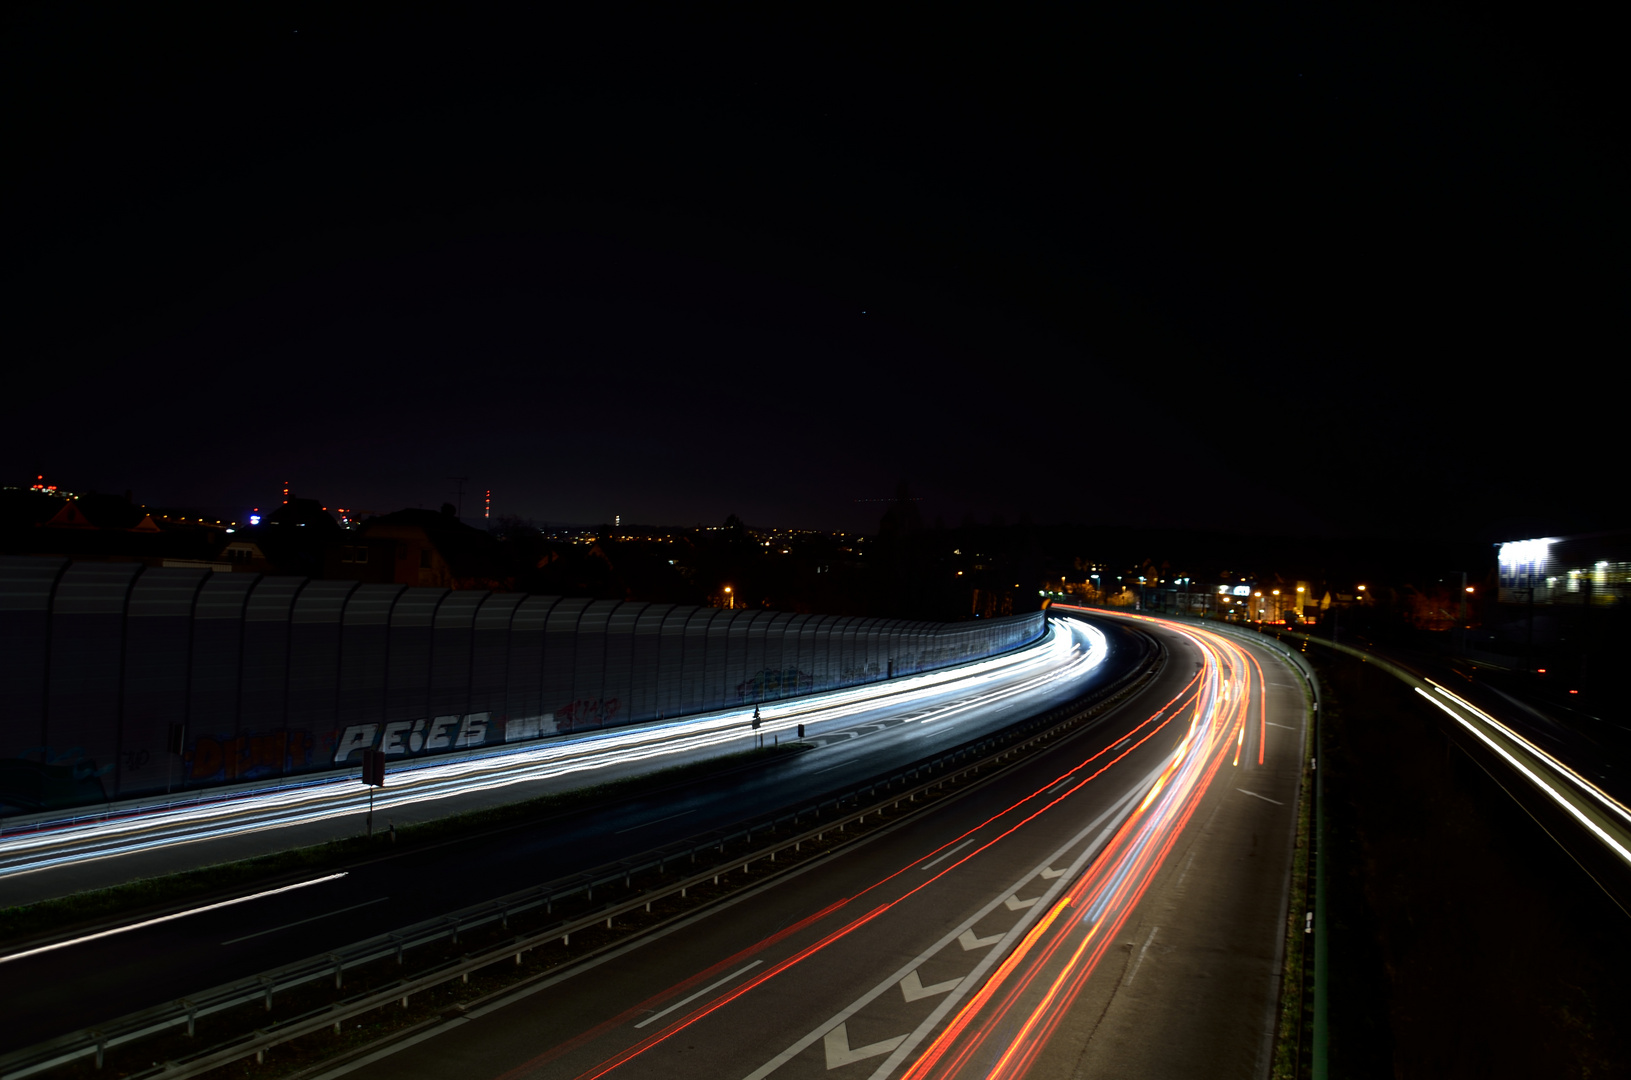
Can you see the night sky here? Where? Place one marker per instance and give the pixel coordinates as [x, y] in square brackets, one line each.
[1355, 272]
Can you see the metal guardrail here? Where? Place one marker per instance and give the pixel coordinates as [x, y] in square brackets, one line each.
[955, 764]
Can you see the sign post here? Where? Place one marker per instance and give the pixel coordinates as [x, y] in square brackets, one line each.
[756, 724]
[176, 744]
[373, 774]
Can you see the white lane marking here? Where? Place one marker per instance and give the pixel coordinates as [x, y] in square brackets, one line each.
[948, 854]
[1196, 850]
[1287, 727]
[969, 942]
[1133, 974]
[1049, 873]
[686, 1001]
[830, 768]
[836, 1043]
[1117, 814]
[526, 991]
[658, 821]
[1014, 903]
[1067, 780]
[303, 922]
[1120, 808]
[1122, 743]
[914, 990]
[167, 918]
[1255, 795]
[341, 1070]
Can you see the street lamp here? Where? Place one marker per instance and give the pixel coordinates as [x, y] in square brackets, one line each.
[730, 601]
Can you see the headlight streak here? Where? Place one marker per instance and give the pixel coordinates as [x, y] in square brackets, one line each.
[1057, 657]
[171, 917]
[1586, 786]
[1003, 1027]
[1533, 777]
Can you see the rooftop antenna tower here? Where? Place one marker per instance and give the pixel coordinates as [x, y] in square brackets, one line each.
[459, 499]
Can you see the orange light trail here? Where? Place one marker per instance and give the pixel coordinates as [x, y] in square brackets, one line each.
[1004, 1026]
[1174, 707]
[771, 972]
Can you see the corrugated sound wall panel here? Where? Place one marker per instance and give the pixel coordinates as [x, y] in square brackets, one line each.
[106, 665]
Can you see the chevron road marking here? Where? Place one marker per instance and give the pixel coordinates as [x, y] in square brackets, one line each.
[838, 1049]
[913, 987]
[969, 942]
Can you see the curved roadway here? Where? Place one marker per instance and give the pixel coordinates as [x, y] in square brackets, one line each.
[858, 733]
[1114, 906]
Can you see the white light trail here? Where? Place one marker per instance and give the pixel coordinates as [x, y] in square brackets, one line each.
[1534, 778]
[169, 918]
[1607, 801]
[1041, 668]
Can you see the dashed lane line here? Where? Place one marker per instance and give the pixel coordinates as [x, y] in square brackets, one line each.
[686, 1001]
[944, 855]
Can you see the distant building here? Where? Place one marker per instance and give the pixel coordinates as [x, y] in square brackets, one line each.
[105, 528]
[1591, 570]
[417, 547]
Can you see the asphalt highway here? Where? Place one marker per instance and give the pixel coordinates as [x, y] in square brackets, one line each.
[1114, 906]
[857, 736]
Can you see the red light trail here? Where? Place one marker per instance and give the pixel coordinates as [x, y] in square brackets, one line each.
[1002, 1029]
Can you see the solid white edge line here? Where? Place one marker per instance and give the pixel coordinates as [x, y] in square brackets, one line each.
[1044, 904]
[369, 1059]
[1117, 810]
[656, 821]
[303, 922]
[167, 918]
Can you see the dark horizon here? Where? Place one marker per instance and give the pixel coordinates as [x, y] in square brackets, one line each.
[1264, 278]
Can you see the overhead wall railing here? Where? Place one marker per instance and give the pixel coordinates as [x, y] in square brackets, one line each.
[118, 680]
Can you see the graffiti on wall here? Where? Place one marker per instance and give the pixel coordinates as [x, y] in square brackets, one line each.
[520, 728]
[400, 737]
[73, 759]
[58, 779]
[774, 682]
[248, 757]
[585, 714]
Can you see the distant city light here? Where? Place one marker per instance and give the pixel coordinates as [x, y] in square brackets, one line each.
[254, 519]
